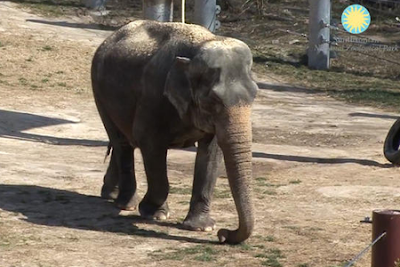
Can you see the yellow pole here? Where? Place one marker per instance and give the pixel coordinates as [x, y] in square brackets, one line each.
[183, 11]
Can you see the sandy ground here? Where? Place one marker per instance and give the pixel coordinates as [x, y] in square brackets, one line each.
[318, 169]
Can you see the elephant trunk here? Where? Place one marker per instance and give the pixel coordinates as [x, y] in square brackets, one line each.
[234, 137]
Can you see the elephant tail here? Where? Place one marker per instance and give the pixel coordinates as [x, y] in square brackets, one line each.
[109, 147]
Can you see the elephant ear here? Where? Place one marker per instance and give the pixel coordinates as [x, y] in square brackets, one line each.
[177, 86]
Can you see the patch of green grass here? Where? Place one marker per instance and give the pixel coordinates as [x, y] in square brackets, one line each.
[339, 265]
[5, 243]
[245, 246]
[297, 181]
[45, 80]
[47, 48]
[379, 98]
[23, 81]
[1, 44]
[270, 238]
[62, 84]
[271, 257]
[303, 265]
[270, 192]
[263, 181]
[180, 190]
[222, 193]
[51, 8]
[60, 72]
[292, 227]
[198, 253]
[357, 88]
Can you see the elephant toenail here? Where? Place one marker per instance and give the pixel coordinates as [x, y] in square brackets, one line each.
[161, 217]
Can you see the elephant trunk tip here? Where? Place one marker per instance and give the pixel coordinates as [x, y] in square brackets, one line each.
[233, 237]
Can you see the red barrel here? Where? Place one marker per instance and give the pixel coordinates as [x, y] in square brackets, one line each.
[386, 252]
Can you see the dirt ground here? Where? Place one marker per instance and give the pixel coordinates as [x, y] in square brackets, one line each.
[318, 169]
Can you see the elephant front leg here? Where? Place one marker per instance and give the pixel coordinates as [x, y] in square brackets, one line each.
[154, 204]
[208, 159]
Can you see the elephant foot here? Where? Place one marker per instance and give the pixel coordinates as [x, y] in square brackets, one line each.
[109, 192]
[127, 201]
[152, 212]
[197, 222]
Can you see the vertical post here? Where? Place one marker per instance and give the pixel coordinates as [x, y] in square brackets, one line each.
[205, 13]
[160, 10]
[386, 253]
[94, 4]
[319, 22]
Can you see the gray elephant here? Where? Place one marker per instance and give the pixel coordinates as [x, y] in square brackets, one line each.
[168, 85]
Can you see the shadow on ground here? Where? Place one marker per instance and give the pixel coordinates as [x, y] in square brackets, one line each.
[13, 123]
[91, 26]
[60, 208]
[286, 88]
[364, 162]
[371, 115]
[66, 3]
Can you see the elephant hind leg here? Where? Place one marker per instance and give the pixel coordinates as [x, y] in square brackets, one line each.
[119, 180]
[127, 197]
[109, 189]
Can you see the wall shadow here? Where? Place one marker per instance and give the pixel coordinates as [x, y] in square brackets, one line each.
[371, 115]
[91, 26]
[60, 208]
[64, 3]
[286, 88]
[364, 162]
[13, 123]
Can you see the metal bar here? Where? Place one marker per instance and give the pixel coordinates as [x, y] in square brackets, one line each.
[160, 10]
[359, 255]
[319, 34]
[94, 4]
[205, 13]
[183, 11]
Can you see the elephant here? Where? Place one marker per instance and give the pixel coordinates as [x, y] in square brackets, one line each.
[168, 85]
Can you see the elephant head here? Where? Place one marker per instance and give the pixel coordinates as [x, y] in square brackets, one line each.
[214, 90]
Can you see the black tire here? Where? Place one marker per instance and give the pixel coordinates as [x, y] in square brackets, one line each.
[392, 143]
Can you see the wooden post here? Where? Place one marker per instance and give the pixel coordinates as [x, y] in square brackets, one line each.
[160, 10]
[319, 34]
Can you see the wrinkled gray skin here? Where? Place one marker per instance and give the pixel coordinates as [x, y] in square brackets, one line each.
[168, 85]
